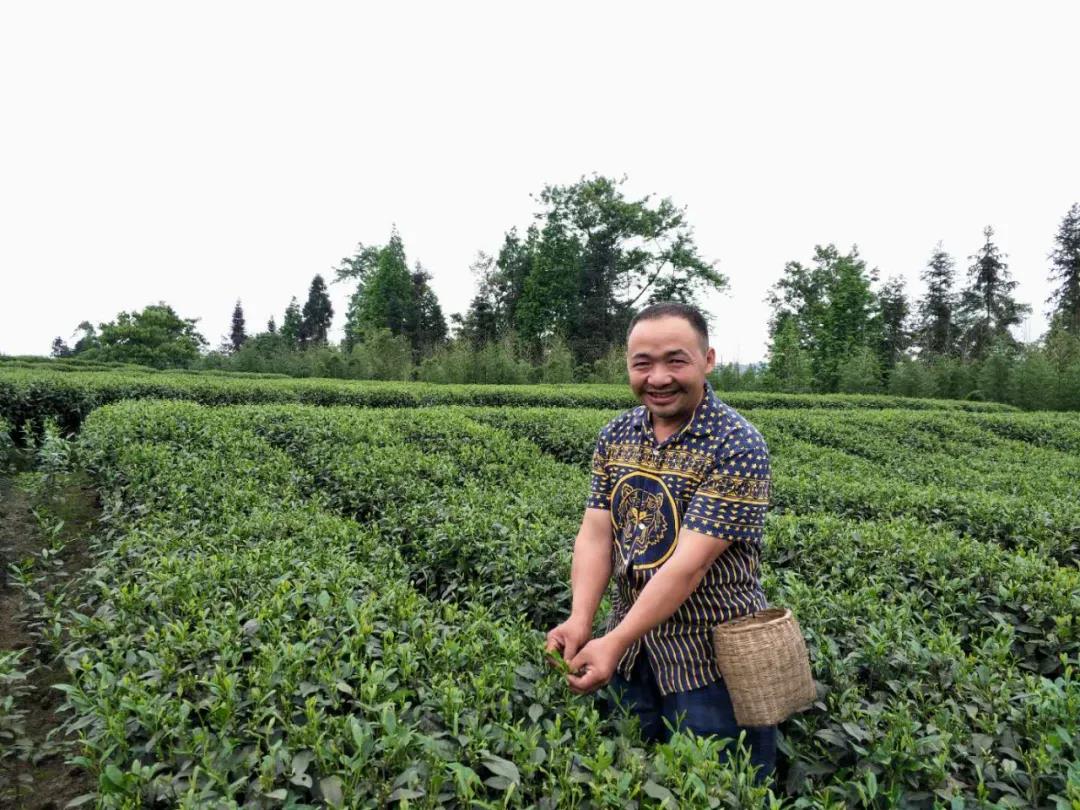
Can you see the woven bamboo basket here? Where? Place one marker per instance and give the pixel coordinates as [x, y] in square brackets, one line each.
[764, 662]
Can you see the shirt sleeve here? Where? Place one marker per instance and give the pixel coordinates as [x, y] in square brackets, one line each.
[732, 500]
[600, 486]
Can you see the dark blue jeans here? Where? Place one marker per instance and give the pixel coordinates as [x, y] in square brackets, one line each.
[705, 711]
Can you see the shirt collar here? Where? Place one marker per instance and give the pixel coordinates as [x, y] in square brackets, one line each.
[698, 424]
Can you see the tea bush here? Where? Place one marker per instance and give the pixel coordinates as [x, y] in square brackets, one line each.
[241, 644]
[957, 470]
[297, 605]
[68, 396]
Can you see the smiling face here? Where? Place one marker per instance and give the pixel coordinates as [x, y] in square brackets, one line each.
[667, 363]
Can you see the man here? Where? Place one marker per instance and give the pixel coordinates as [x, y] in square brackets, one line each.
[679, 492]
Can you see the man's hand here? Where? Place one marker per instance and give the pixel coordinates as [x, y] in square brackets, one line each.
[569, 637]
[595, 664]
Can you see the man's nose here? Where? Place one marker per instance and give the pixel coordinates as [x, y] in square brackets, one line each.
[659, 378]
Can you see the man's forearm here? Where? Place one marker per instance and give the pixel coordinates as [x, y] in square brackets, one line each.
[660, 598]
[590, 572]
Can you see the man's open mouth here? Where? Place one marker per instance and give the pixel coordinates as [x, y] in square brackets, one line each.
[661, 397]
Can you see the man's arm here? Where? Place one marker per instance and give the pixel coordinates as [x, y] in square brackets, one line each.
[728, 507]
[590, 573]
[590, 570]
[673, 583]
[661, 597]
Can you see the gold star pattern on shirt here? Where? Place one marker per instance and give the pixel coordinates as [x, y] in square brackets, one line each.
[713, 477]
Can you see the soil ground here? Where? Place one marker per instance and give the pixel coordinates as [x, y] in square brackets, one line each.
[47, 781]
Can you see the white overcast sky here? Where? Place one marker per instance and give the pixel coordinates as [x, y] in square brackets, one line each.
[197, 153]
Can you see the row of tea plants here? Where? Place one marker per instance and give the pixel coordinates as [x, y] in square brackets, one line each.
[68, 396]
[298, 605]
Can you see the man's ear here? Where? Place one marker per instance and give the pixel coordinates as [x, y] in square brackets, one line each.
[710, 359]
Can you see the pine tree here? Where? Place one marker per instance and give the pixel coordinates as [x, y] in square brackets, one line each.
[237, 335]
[318, 314]
[426, 328]
[893, 311]
[987, 305]
[936, 329]
[384, 299]
[1065, 269]
[271, 327]
[292, 325]
[389, 297]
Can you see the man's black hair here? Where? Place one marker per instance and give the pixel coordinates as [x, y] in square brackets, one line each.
[669, 309]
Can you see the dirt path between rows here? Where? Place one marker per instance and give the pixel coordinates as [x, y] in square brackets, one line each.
[45, 782]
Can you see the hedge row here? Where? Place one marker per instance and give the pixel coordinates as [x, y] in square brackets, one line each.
[28, 394]
[946, 469]
[244, 645]
[294, 604]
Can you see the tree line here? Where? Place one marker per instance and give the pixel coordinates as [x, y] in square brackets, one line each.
[553, 302]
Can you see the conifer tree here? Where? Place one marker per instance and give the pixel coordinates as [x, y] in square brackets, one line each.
[426, 328]
[318, 314]
[936, 328]
[389, 297]
[1065, 269]
[292, 325]
[384, 297]
[237, 335]
[892, 316]
[987, 305]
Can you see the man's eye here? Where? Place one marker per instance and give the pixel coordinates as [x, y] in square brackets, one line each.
[678, 362]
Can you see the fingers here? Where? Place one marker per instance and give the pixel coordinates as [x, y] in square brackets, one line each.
[590, 681]
[554, 641]
[570, 649]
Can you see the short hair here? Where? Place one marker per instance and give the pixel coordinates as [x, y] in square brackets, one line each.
[673, 309]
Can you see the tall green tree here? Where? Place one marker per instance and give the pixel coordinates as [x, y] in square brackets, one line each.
[801, 297]
[592, 258]
[789, 363]
[849, 321]
[426, 327]
[987, 305]
[318, 314]
[271, 326]
[60, 348]
[292, 326]
[237, 335]
[832, 308]
[156, 337]
[492, 312]
[87, 340]
[1065, 270]
[383, 297]
[892, 317]
[389, 297]
[483, 321]
[860, 372]
[936, 331]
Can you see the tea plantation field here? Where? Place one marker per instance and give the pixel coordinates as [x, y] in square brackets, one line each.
[298, 605]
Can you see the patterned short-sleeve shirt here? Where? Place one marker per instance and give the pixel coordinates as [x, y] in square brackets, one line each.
[713, 477]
